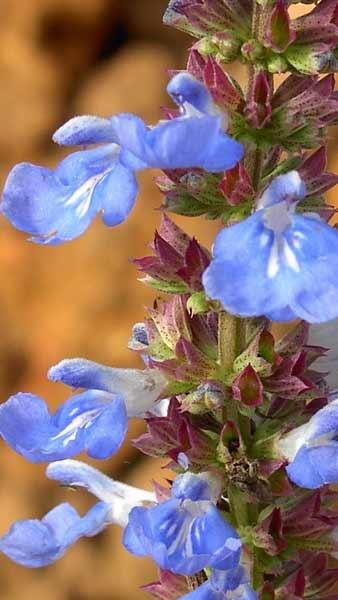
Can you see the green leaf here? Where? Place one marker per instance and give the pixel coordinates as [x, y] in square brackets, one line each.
[174, 388]
[287, 165]
[167, 287]
[304, 58]
[158, 350]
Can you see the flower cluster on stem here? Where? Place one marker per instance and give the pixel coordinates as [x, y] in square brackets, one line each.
[247, 420]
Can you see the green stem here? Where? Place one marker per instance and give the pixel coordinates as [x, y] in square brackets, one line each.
[257, 168]
[231, 342]
[227, 343]
[231, 339]
[256, 16]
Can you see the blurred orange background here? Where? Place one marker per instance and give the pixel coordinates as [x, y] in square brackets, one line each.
[59, 58]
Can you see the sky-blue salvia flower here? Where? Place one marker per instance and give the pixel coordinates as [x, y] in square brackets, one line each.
[312, 449]
[36, 543]
[186, 533]
[54, 206]
[95, 421]
[224, 585]
[277, 263]
[140, 389]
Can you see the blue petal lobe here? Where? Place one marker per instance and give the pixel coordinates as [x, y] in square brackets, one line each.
[224, 154]
[324, 422]
[280, 274]
[315, 290]
[85, 130]
[237, 274]
[79, 167]
[179, 143]
[35, 543]
[183, 537]
[288, 187]
[183, 88]
[116, 195]
[83, 373]
[190, 486]
[31, 199]
[314, 467]
[131, 133]
[95, 422]
[57, 206]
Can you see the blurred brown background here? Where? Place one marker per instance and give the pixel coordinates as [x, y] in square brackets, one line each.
[59, 58]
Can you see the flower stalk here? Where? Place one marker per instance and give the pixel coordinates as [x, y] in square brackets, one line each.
[248, 422]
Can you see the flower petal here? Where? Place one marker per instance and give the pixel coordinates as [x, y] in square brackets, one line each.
[192, 487]
[280, 274]
[131, 134]
[85, 130]
[183, 537]
[179, 143]
[315, 288]
[237, 274]
[314, 467]
[35, 543]
[140, 388]
[284, 188]
[94, 422]
[120, 497]
[32, 199]
[57, 206]
[184, 88]
[116, 194]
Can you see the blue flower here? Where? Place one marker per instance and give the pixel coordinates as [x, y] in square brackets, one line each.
[58, 205]
[94, 422]
[312, 449]
[224, 585]
[36, 543]
[194, 139]
[186, 533]
[140, 389]
[277, 263]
